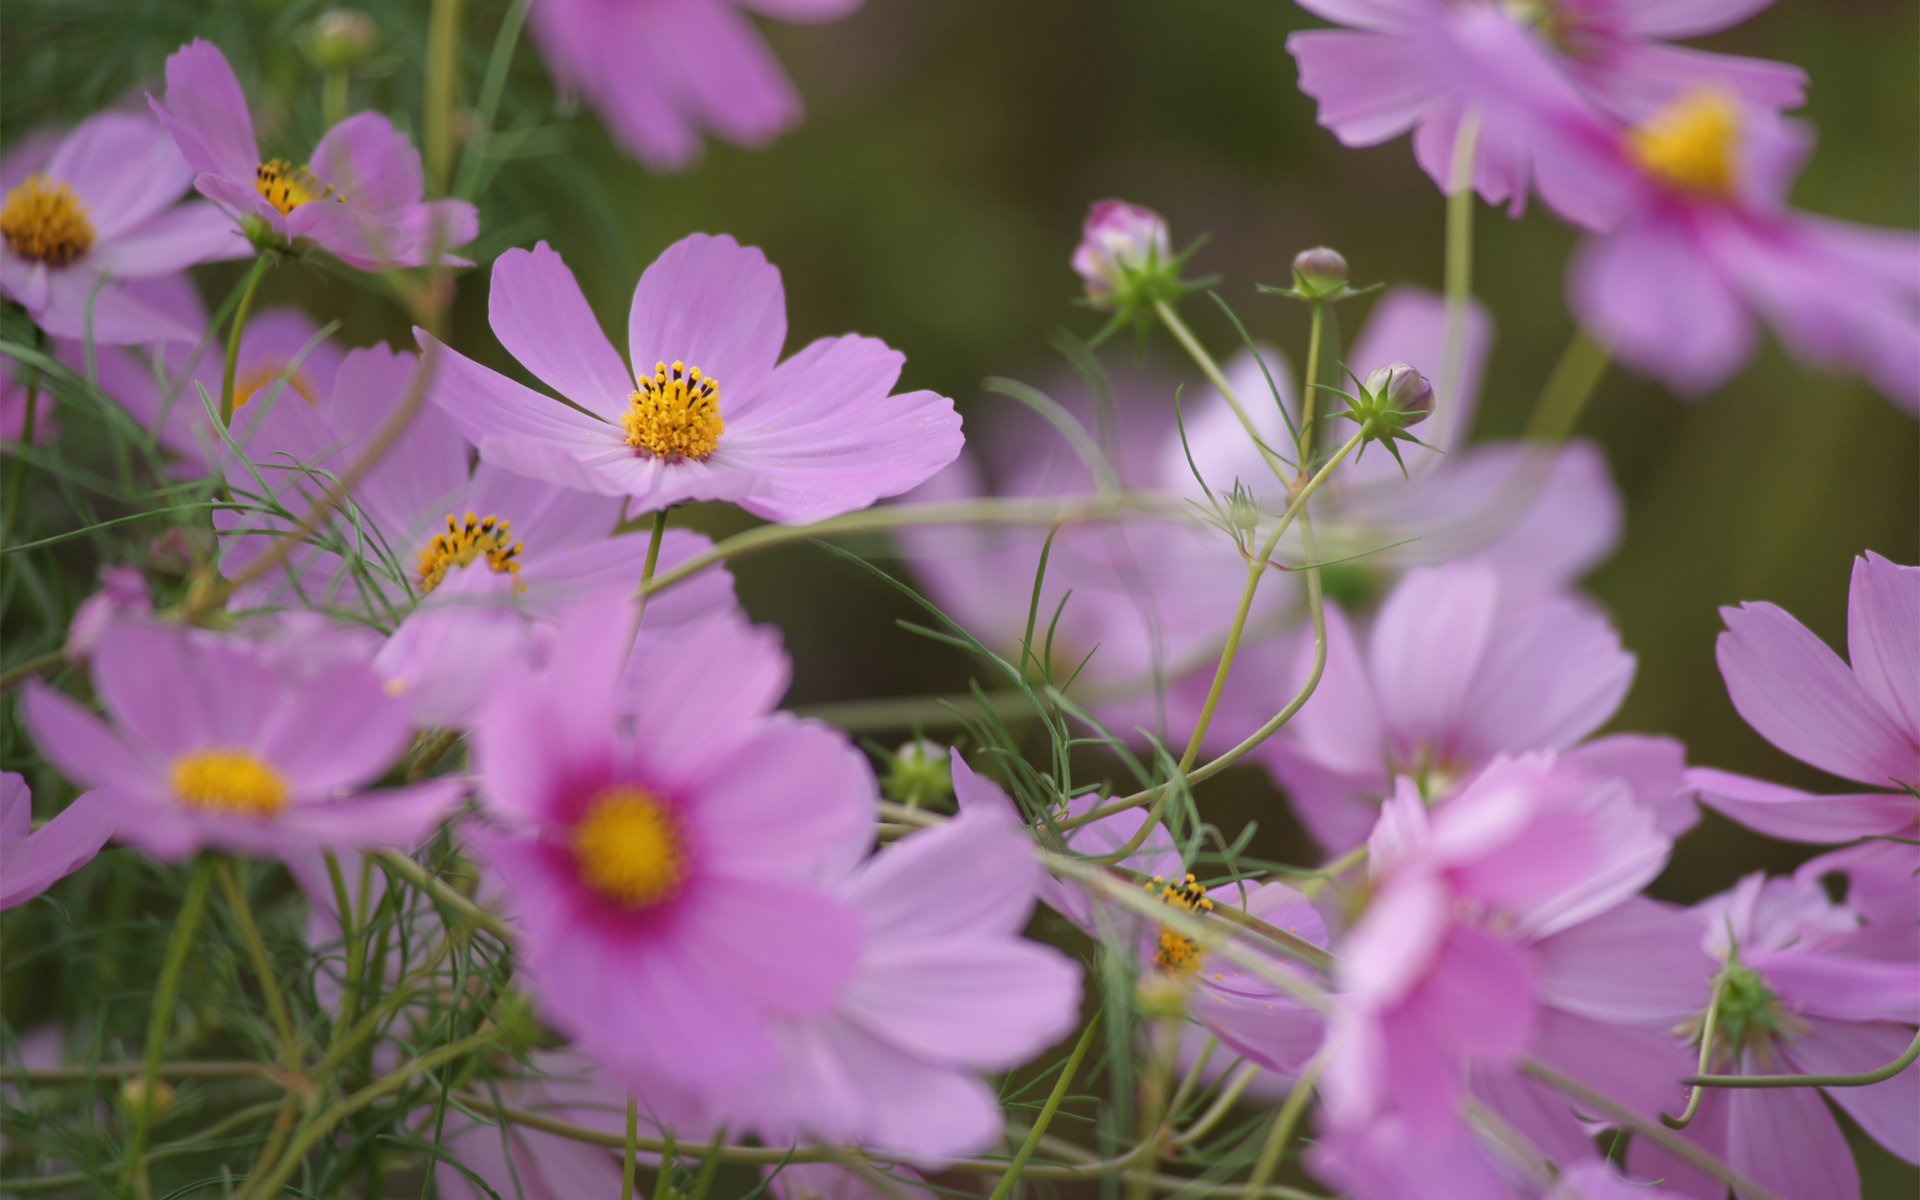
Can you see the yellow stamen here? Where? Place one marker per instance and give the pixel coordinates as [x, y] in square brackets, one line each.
[45, 222]
[1692, 144]
[231, 782]
[675, 414]
[287, 187]
[486, 537]
[629, 848]
[1177, 953]
[260, 377]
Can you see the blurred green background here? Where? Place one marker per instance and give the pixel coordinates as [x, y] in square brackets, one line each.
[934, 194]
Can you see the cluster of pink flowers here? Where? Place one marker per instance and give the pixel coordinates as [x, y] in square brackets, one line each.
[722, 932]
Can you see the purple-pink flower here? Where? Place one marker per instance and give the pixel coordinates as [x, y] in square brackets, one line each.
[1794, 999]
[1859, 720]
[215, 741]
[1120, 243]
[86, 214]
[656, 838]
[31, 861]
[663, 74]
[122, 596]
[704, 413]
[1425, 65]
[361, 197]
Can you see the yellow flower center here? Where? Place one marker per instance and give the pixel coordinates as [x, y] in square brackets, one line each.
[287, 187]
[45, 222]
[1178, 954]
[629, 848]
[675, 414]
[1692, 144]
[233, 782]
[261, 377]
[476, 537]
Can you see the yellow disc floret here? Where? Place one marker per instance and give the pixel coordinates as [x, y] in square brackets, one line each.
[629, 848]
[1178, 954]
[230, 782]
[287, 187]
[43, 221]
[675, 413]
[476, 537]
[1692, 144]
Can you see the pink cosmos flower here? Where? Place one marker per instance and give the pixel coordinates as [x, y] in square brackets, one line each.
[281, 355]
[1455, 670]
[1703, 248]
[1858, 721]
[425, 516]
[85, 214]
[1423, 65]
[1119, 240]
[31, 861]
[655, 840]
[1795, 1001]
[661, 74]
[1497, 928]
[361, 197]
[711, 417]
[1876, 879]
[523, 1162]
[123, 595]
[215, 742]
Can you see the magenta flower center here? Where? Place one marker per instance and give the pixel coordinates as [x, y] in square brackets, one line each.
[629, 848]
[675, 413]
[287, 187]
[44, 221]
[1692, 144]
[463, 542]
[1178, 954]
[229, 782]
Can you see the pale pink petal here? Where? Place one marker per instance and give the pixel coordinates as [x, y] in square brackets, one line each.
[1641, 961]
[1798, 816]
[1787, 1141]
[123, 167]
[1885, 1110]
[1552, 674]
[83, 746]
[1428, 644]
[749, 817]
[711, 303]
[541, 317]
[985, 1002]
[33, 863]
[370, 164]
[205, 111]
[1680, 19]
[1883, 641]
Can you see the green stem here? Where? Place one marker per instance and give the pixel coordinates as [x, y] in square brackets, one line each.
[1568, 388]
[1459, 264]
[1283, 1126]
[1863, 1079]
[32, 667]
[1221, 1106]
[248, 287]
[1004, 1188]
[630, 1160]
[646, 576]
[441, 893]
[333, 96]
[242, 912]
[1218, 379]
[1309, 389]
[443, 50]
[166, 992]
[1708, 1028]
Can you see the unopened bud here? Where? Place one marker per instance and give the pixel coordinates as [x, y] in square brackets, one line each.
[1319, 271]
[342, 37]
[133, 1094]
[1405, 390]
[1123, 249]
[122, 594]
[918, 773]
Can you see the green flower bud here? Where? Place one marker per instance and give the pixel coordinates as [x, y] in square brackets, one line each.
[341, 37]
[917, 774]
[1320, 271]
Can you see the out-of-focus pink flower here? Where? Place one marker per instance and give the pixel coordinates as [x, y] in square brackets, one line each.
[360, 198]
[655, 838]
[1704, 249]
[526, 1163]
[31, 861]
[711, 417]
[1424, 65]
[123, 593]
[826, 1181]
[1858, 721]
[1876, 880]
[1495, 929]
[1120, 243]
[662, 74]
[214, 743]
[1455, 670]
[84, 215]
[1794, 1000]
[946, 989]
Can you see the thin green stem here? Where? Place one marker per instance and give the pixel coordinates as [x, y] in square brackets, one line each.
[443, 894]
[1223, 1103]
[1568, 388]
[1862, 1079]
[1708, 1028]
[1283, 1126]
[236, 897]
[630, 1159]
[646, 575]
[1024, 1154]
[443, 62]
[1211, 369]
[32, 667]
[333, 95]
[166, 991]
[248, 288]
[1154, 1106]
[1309, 390]
[473, 155]
[1459, 266]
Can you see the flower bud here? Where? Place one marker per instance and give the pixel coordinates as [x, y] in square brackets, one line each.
[1319, 271]
[1123, 250]
[1159, 995]
[133, 1094]
[1405, 390]
[918, 773]
[122, 594]
[342, 37]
